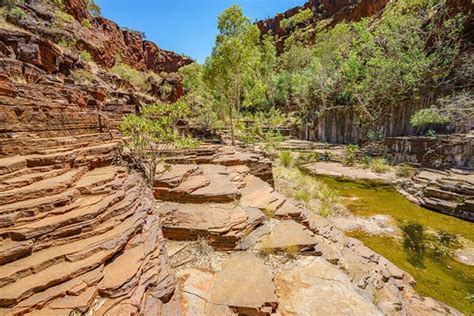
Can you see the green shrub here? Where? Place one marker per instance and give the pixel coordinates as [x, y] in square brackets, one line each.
[286, 158]
[58, 4]
[351, 153]
[135, 77]
[405, 171]
[86, 23]
[86, 56]
[303, 195]
[374, 136]
[428, 117]
[68, 44]
[93, 8]
[379, 165]
[149, 134]
[16, 14]
[82, 76]
[309, 157]
[431, 133]
[60, 14]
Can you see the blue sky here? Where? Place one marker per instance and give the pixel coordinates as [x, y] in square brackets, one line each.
[185, 26]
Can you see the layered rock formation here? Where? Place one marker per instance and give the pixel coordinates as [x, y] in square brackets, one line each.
[444, 151]
[450, 192]
[103, 39]
[78, 232]
[280, 258]
[76, 32]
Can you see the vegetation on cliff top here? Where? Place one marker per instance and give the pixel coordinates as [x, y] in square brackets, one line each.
[371, 65]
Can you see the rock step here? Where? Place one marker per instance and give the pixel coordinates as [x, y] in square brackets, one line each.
[83, 215]
[33, 146]
[25, 287]
[209, 184]
[222, 224]
[118, 233]
[29, 208]
[29, 178]
[41, 188]
[11, 164]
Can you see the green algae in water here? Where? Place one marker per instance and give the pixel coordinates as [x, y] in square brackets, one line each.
[437, 276]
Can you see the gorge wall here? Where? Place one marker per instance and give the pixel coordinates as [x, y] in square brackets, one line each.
[335, 11]
[78, 230]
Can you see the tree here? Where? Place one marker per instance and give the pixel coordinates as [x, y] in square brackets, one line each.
[152, 132]
[199, 95]
[233, 61]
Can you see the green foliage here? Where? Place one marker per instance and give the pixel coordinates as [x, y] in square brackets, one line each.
[286, 158]
[431, 133]
[16, 14]
[303, 195]
[303, 17]
[351, 153]
[374, 136]
[233, 62]
[138, 79]
[93, 8]
[200, 96]
[305, 158]
[82, 76]
[428, 117]
[63, 16]
[371, 65]
[379, 165]
[405, 171]
[68, 44]
[149, 134]
[57, 3]
[85, 56]
[86, 23]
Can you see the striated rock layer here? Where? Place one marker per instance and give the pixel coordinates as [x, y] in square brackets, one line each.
[280, 258]
[78, 232]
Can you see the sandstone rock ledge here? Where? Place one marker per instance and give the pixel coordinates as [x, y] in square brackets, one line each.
[279, 258]
[75, 239]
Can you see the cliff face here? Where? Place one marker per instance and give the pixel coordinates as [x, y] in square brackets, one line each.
[103, 39]
[78, 231]
[336, 11]
[76, 31]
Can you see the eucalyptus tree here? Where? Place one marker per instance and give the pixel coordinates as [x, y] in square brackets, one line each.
[234, 60]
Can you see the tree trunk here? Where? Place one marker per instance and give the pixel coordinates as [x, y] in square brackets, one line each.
[231, 123]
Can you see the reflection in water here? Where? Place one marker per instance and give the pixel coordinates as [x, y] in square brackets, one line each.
[427, 244]
[414, 244]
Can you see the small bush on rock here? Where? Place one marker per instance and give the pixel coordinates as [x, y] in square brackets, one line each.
[379, 165]
[405, 171]
[351, 154]
[64, 16]
[86, 23]
[16, 14]
[286, 158]
[150, 133]
[85, 56]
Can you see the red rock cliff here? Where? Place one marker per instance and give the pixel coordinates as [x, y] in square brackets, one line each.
[348, 10]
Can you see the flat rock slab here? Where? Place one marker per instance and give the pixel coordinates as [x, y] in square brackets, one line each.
[195, 284]
[288, 235]
[208, 184]
[172, 176]
[244, 284]
[222, 224]
[320, 288]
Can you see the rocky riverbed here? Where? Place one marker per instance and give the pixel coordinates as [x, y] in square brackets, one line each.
[435, 248]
